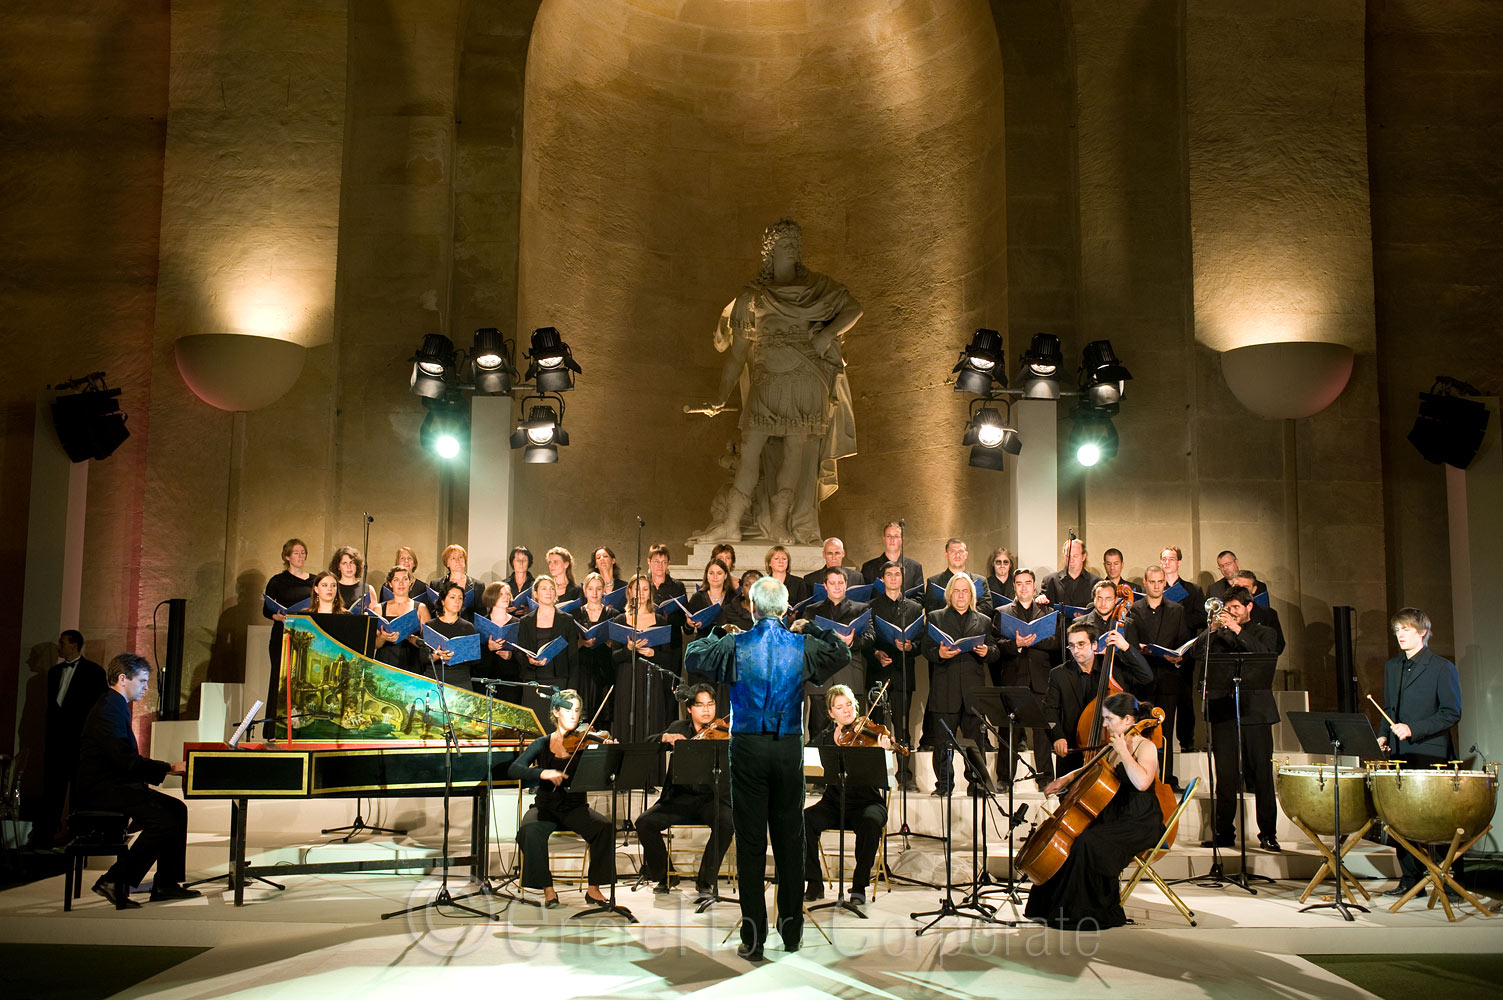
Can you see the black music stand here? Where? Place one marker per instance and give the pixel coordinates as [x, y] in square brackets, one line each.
[849, 767]
[641, 768]
[1255, 671]
[1021, 709]
[947, 905]
[595, 770]
[705, 762]
[1336, 733]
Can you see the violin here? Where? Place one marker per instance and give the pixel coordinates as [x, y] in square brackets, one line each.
[718, 729]
[866, 733]
[584, 736]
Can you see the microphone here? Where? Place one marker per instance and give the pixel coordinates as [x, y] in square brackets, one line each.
[871, 696]
[368, 518]
[681, 693]
[641, 523]
[901, 523]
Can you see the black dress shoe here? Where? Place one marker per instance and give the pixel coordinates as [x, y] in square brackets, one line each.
[1270, 844]
[551, 904]
[940, 792]
[661, 889]
[814, 893]
[752, 953]
[107, 890]
[1226, 841]
[1402, 889]
[162, 893]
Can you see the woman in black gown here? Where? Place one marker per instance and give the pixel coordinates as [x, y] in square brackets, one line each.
[597, 668]
[406, 654]
[776, 563]
[451, 625]
[737, 611]
[349, 567]
[291, 586]
[498, 661]
[326, 599]
[605, 564]
[643, 701]
[536, 631]
[714, 588]
[457, 561]
[1085, 892]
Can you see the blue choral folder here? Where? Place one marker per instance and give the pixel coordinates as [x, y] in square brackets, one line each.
[858, 625]
[466, 648]
[965, 645]
[1042, 627]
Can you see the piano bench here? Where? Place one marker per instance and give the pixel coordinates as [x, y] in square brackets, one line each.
[96, 833]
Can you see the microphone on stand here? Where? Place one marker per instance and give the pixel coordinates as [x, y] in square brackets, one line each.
[681, 693]
[641, 523]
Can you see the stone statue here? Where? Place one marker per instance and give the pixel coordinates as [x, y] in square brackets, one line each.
[783, 332]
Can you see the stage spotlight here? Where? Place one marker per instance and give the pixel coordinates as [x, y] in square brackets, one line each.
[433, 367]
[980, 364]
[491, 371]
[89, 424]
[1450, 427]
[1103, 379]
[446, 428]
[989, 437]
[541, 434]
[1040, 368]
[1092, 438]
[552, 361]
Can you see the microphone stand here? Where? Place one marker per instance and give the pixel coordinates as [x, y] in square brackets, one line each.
[636, 735]
[1216, 877]
[947, 906]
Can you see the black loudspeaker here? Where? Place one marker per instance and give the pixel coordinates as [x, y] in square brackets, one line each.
[1449, 428]
[170, 683]
[90, 424]
[1346, 664]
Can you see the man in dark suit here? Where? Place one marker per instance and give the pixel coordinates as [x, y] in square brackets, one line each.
[1072, 685]
[113, 775]
[956, 555]
[838, 608]
[1026, 663]
[72, 688]
[1231, 568]
[1233, 631]
[1189, 597]
[1422, 694]
[892, 551]
[1262, 614]
[1071, 585]
[1162, 623]
[892, 663]
[834, 553]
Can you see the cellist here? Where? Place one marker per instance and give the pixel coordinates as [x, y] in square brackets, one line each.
[1075, 682]
[1083, 894]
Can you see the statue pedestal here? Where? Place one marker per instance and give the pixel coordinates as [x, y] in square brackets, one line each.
[749, 552]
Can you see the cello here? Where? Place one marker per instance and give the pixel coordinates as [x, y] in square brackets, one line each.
[1088, 726]
[1049, 844]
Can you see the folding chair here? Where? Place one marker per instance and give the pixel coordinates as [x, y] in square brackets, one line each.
[1146, 859]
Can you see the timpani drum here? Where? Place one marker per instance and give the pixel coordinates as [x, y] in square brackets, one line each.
[1307, 794]
[1428, 806]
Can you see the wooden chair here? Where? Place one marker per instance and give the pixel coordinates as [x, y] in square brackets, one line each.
[1145, 860]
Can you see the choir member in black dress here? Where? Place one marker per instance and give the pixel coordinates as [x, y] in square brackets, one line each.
[1195, 620]
[450, 624]
[643, 698]
[545, 624]
[954, 675]
[999, 577]
[349, 566]
[838, 608]
[865, 808]
[407, 559]
[597, 666]
[737, 610]
[520, 577]
[834, 554]
[687, 805]
[561, 568]
[1026, 662]
[956, 555]
[776, 563]
[1071, 585]
[291, 586]
[892, 551]
[714, 588]
[498, 661]
[457, 562]
[894, 662]
[1084, 893]
[542, 764]
[326, 596]
[605, 564]
[1162, 623]
[406, 654]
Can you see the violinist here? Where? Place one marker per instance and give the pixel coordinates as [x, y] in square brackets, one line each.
[688, 804]
[543, 764]
[1083, 894]
[865, 807]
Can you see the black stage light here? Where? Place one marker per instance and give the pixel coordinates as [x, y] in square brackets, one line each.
[433, 367]
[989, 437]
[1040, 368]
[1103, 379]
[491, 371]
[540, 434]
[1092, 438]
[446, 428]
[1450, 427]
[89, 424]
[552, 361]
[980, 364]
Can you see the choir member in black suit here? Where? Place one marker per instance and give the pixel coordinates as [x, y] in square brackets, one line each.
[714, 588]
[999, 577]
[737, 611]
[1071, 585]
[834, 553]
[561, 568]
[1132, 670]
[1072, 685]
[291, 586]
[837, 608]
[1262, 614]
[349, 566]
[894, 663]
[520, 577]
[956, 555]
[1422, 695]
[1232, 631]
[1026, 662]
[865, 809]
[542, 764]
[597, 666]
[776, 562]
[1231, 568]
[73, 686]
[112, 775]
[643, 698]
[1112, 568]
[542, 627]
[1162, 623]
[1194, 603]
[954, 676]
[687, 805]
[451, 624]
[498, 661]
[457, 561]
[664, 586]
[605, 564]
[892, 551]
[406, 654]
[326, 599]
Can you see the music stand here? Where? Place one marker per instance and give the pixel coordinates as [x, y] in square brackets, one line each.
[706, 762]
[595, 770]
[1021, 709]
[947, 906]
[849, 767]
[1320, 733]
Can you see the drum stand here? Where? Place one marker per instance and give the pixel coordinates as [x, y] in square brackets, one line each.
[1330, 865]
[1356, 734]
[1438, 876]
